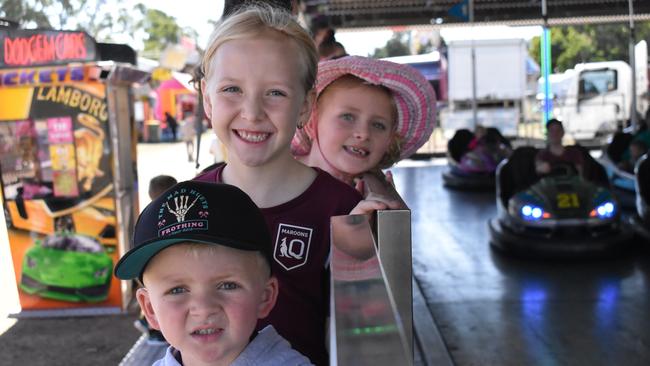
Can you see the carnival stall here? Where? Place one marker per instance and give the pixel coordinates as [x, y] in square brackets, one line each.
[67, 168]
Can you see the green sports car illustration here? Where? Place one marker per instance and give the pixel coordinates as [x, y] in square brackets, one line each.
[67, 267]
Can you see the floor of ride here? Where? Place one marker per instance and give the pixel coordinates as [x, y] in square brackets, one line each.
[494, 309]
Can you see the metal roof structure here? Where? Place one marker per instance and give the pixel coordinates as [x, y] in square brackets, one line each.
[383, 13]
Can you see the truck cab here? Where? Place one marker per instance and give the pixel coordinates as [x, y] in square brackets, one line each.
[599, 97]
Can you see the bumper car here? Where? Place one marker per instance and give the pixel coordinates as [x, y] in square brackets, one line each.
[472, 163]
[561, 214]
[641, 221]
[67, 267]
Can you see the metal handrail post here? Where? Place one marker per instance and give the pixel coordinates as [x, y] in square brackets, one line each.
[394, 249]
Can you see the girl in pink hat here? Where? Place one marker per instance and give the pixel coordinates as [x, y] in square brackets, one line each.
[369, 114]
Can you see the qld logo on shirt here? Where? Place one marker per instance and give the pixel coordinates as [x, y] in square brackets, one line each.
[292, 246]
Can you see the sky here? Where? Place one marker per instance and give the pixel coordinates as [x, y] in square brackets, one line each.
[198, 13]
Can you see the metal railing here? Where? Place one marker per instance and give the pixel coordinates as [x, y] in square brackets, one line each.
[370, 323]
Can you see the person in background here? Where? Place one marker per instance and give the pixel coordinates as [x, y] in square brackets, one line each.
[202, 253]
[637, 149]
[188, 132]
[157, 185]
[642, 135]
[321, 31]
[479, 134]
[555, 152]
[331, 50]
[172, 124]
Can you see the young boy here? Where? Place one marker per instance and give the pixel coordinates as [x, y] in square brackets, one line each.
[203, 254]
[260, 67]
[159, 184]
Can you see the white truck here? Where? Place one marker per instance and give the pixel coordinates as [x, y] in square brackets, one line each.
[501, 80]
[598, 97]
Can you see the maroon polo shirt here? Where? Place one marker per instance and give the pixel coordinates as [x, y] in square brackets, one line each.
[570, 155]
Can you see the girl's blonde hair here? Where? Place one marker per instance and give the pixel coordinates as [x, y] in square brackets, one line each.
[255, 21]
[391, 156]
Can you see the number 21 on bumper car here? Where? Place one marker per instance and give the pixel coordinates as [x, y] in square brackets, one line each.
[562, 214]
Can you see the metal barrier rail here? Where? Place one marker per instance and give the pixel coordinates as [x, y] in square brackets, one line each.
[366, 326]
[374, 298]
[394, 249]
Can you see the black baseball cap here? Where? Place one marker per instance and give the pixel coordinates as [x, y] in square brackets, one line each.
[198, 212]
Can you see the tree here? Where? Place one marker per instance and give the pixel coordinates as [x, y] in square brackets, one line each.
[398, 45]
[589, 43]
[27, 12]
[124, 22]
[102, 19]
[162, 30]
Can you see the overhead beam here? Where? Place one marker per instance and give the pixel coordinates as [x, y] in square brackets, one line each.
[381, 13]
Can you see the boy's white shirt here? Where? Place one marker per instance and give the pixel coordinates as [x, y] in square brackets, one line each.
[267, 349]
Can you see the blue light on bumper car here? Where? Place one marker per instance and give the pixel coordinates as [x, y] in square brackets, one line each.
[605, 210]
[530, 212]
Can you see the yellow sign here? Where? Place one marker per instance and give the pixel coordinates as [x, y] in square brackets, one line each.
[161, 74]
[15, 103]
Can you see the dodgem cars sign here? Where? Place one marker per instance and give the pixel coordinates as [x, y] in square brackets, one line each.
[20, 48]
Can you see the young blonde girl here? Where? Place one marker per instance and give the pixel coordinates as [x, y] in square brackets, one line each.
[259, 67]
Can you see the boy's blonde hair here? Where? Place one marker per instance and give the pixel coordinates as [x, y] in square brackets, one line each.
[196, 250]
[256, 20]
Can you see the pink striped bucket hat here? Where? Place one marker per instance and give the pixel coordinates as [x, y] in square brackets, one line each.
[414, 98]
